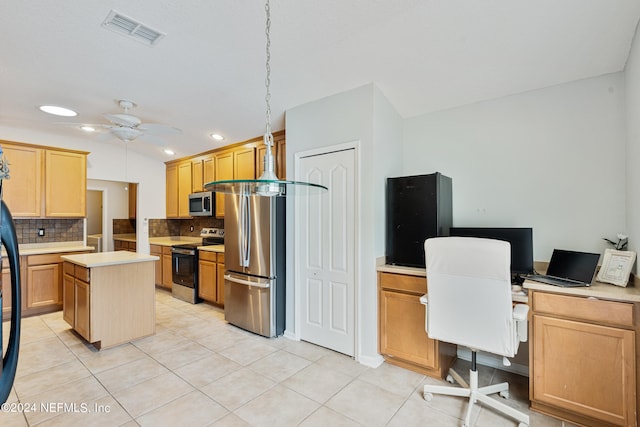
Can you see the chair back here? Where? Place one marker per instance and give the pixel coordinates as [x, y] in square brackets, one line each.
[469, 293]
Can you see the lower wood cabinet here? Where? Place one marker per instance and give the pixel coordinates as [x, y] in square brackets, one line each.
[583, 356]
[402, 338]
[211, 277]
[163, 267]
[6, 293]
[76, 298]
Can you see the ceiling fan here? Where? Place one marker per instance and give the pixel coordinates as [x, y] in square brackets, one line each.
[127, 127]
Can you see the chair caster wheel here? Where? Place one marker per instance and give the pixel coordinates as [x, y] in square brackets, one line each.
[428, 397]
[449, 379]
[505, 395]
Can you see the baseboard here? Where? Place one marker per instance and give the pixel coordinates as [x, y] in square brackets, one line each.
[290, 335]
[493, 362]
[371, 361]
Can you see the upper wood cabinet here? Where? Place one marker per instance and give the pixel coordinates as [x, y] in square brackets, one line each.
[223, 171]
[45, 182]
[133, 200]
[22, 192]
[184, 188]
[236, 161]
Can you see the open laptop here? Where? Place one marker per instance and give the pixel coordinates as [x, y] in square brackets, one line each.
[569, 269]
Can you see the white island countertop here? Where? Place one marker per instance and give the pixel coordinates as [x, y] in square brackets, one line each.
[100, 259]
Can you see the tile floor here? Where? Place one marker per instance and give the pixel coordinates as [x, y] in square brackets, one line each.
[199, 371]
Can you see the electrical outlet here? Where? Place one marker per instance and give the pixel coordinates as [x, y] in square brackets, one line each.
[41, 232]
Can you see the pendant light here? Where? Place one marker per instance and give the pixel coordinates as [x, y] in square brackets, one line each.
[268, 184]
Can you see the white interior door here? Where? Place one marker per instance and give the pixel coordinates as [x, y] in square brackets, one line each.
[326, 263]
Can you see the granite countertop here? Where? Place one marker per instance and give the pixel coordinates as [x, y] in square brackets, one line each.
[51, 248]
[212, 248]
[173, 240]
[100, 259]
[127, 237]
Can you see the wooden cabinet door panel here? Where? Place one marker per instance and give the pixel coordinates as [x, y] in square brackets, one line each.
[157, 251]
[585, 368]
[208, 170]
[196, 176]
[69, 296]
[172, 191]
[220, 287]
[82, 309]
[184, 188]
[6, 291]
[207, 275]
[223, 171]
[43, 285]
[402, 331]
[244, 163]
[167, 271]
[22, 192]
[65, 184]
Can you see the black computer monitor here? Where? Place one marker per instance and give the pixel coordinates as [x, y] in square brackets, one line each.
[520, 238]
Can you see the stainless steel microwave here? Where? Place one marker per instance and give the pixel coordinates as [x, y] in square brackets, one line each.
[201, 204]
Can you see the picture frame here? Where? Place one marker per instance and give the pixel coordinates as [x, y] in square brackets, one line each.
[616, 267]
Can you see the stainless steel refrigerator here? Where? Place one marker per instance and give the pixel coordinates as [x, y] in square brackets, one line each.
[254, 247]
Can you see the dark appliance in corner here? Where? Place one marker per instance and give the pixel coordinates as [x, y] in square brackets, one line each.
[417, 207]
[184, 260]
[254, 251]
[9, 360]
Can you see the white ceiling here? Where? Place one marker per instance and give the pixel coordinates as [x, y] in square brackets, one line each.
[208, 73]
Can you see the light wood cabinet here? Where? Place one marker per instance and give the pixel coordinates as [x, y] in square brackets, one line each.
[112, 304]
[244, 163]
[44, 287]
[208, 169]
[196, 175]
[23, 191]
[184, 188]
[583, 356]
[68, 296]
[45, 182]
[223, 171]
[220, 289]
[281, 157]
[167, 268]
[210, 283]
[172, 191]
[65, 184]
[402, 337]
[6, 293]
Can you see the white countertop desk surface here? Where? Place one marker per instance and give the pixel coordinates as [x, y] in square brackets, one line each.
[421, 272]
[100, 259]
[596, 290]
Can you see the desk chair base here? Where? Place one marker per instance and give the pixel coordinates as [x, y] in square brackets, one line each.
[475, 393]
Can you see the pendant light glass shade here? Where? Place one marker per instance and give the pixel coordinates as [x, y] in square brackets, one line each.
[268, 184]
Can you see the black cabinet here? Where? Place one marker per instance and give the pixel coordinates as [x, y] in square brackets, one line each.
[418, 207]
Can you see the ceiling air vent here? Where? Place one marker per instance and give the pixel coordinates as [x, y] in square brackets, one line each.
[122, 24]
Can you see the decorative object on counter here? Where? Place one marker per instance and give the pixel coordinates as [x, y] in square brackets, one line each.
[268, 184]
[622, 242]
[616, 267]
[9, 362]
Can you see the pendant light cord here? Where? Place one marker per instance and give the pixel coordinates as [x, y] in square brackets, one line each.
[268, 137]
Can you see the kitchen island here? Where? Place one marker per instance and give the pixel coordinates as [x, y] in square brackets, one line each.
[109, 297]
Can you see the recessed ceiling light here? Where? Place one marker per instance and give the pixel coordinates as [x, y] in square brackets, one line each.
[169, 152]
[58, 111]
[216, 136]
[88, 128]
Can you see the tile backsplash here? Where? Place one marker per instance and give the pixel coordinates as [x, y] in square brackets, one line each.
[55, 230]
[124, 226]
[182, 227]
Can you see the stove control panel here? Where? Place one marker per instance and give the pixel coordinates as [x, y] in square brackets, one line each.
[212, 232]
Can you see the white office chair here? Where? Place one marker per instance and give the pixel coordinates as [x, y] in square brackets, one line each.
[469, 303]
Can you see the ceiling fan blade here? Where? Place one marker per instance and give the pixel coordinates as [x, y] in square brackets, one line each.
[126, 120]
[159, 129]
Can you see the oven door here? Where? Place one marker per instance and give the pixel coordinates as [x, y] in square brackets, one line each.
[184, 268]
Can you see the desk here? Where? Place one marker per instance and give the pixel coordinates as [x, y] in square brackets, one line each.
[584, 351]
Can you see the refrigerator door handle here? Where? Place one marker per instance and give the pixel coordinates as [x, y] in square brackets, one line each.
[245, 231]
[246, 282]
